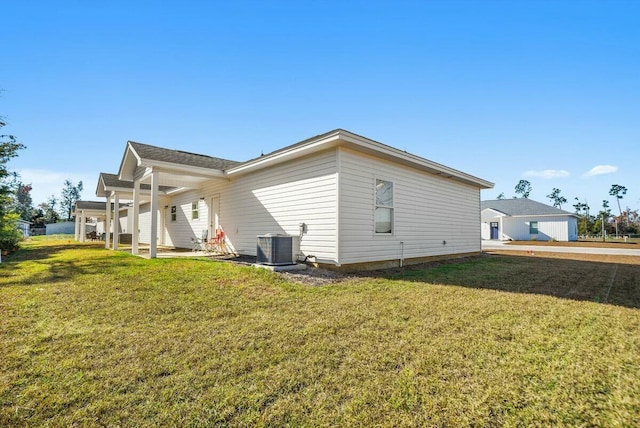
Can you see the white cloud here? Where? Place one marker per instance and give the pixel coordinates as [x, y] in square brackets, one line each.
[600, 170]
[46, 183]
[547, 173]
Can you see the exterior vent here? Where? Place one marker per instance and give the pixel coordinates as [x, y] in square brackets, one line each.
[275, 250]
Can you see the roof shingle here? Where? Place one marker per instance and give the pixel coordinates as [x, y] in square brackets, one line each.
[146, 151]
[112, 180]
[521, 206]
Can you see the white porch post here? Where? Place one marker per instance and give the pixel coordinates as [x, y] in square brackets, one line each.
[107, 227]
[77, 226]
[83, 226]
[136, 214]
[153, 245]
[116, 221]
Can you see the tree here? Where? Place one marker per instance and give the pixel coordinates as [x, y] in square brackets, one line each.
[70, 194]
[49, 210]
[582, 208]
[555, 197]
[585, 220]
[501, 196]
[9, 147]
[619, 192]
[601, 223]
[523, 188]
[21, 202]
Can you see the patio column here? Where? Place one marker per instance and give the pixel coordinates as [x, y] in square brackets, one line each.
[83, 226]
[153, 245]
[107, 226]
[136, 219]
[116, 221]
[77, 220]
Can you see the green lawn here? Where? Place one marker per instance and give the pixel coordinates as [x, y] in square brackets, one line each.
[92, 337]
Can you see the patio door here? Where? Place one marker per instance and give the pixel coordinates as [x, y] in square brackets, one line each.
[214, 216]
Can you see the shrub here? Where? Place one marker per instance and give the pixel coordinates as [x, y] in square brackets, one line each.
[10, 236]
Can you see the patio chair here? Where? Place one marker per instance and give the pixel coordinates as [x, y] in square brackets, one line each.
[217, 243]
[199, 244]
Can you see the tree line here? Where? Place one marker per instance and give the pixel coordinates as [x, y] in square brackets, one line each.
[15, 197]
[627, 221]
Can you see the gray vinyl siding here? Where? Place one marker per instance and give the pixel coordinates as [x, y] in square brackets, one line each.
[427, 211]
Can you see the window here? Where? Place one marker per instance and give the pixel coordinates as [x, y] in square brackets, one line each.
[533, 228]
[194, 211]
[384, 207]
[173, 213]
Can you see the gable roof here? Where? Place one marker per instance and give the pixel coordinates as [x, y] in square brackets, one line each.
[341, 137]
[94, 206]
[108, 182]
[154, 153]
[191, 164]
[522, 207]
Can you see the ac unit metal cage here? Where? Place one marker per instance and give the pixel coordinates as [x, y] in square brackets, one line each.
[275, 250]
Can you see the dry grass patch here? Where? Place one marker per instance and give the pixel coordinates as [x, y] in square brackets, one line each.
[93, 337]
[632, 244]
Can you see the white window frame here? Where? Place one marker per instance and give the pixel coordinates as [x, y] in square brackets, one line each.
[174, 212]
[391, 207]
[195, 210]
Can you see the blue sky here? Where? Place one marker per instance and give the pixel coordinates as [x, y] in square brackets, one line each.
[504, 90]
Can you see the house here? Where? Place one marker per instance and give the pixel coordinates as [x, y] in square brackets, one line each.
[64, 228]
[348, 200]
[23, 226]
[85, 211]
[523, 219]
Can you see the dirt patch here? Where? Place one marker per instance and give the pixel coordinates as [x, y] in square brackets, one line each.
[599, 258]
[589, 244]
[317, 276]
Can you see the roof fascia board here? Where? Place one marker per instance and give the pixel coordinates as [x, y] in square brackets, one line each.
[194, 171]
[547, 215]
[500, 213]
[100, 186]
[123, 174]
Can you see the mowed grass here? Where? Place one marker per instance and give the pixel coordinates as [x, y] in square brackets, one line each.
[92, 337]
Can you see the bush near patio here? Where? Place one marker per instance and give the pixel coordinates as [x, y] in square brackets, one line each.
[92, 337]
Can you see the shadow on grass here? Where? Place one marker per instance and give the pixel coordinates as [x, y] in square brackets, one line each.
[44, 269]
[612, 283]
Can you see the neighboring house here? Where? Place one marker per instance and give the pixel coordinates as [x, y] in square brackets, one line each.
[23, 226]
[65, 227]
[522, 219]
[349, 200]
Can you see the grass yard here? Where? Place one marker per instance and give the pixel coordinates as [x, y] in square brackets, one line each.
[92, 337]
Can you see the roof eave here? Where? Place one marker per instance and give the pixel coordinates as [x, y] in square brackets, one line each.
[547, 215]
[345, 138]
[126, 170]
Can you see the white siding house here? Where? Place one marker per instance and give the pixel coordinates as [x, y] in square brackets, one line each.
[347, 199]
[523, 220]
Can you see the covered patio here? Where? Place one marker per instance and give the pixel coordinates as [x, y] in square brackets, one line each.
[85, 210]
[149, 175]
